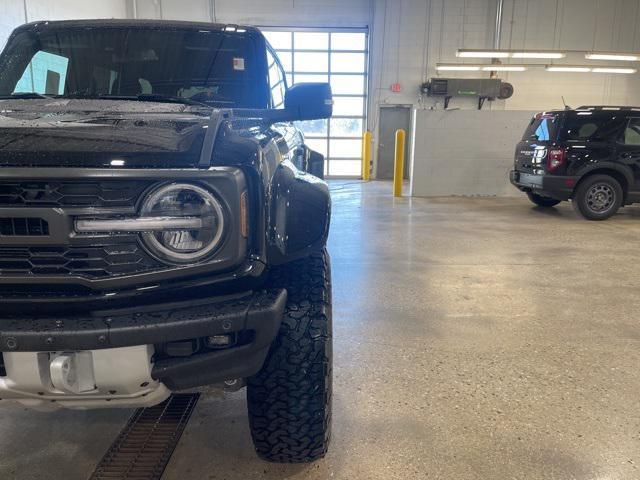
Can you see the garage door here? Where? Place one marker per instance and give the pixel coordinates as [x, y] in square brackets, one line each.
[340, 57]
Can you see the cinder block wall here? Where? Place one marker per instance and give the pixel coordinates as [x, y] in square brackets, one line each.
[465, 152]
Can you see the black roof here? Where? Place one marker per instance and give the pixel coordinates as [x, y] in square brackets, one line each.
[161, 24]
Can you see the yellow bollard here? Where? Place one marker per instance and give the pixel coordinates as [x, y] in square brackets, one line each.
[367, 139]
[398, 168]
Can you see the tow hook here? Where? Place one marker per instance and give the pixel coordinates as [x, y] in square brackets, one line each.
[72, 372]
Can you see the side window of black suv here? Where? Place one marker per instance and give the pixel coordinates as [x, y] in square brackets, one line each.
[277, 83]
[632, 132]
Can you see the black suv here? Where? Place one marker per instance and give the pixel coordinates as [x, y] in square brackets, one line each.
[163, 225]
[590, 155]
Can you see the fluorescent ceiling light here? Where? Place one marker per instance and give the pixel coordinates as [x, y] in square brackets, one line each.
[482, 54]
[624, 57]
[468, 53]
[504, 68]
[532, 54]
[459, 67]
[567, 68]
[614, 70]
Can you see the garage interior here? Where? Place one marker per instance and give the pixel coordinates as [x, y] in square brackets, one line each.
[475, 336]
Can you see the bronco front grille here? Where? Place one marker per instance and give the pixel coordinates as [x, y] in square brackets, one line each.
[24, 227]
[88, 262]
[71, 194]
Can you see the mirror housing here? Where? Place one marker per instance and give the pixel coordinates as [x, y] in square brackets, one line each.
[309, 101]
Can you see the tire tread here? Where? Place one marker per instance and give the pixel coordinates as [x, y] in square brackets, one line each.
[289, 400]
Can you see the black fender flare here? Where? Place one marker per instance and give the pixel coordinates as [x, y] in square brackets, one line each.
[299, 214]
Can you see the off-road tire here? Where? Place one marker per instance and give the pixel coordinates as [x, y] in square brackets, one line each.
[289, 400]
[583, 197]
[541, 201]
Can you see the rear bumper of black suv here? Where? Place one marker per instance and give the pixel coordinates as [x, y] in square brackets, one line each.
[558, 187]
[253, 317]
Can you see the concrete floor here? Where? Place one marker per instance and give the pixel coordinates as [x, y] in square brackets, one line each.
[474, 339]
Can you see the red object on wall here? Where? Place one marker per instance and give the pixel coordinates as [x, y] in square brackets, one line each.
[396, 88]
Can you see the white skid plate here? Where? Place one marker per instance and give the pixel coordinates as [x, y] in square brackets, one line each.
[110, 378]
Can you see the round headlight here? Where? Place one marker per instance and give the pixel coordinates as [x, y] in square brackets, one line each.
[178, 204]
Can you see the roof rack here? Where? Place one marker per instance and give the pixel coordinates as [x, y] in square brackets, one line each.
[607, 107]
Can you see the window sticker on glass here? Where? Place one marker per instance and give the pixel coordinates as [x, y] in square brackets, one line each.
[238, 63]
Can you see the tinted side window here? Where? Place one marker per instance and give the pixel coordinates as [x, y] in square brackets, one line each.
[632, 132]
[277, 83]
[590, 126]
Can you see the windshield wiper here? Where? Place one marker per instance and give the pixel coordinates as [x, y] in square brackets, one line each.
[24, 96]
[152, 97]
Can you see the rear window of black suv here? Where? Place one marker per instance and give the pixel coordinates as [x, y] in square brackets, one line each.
[543, 127]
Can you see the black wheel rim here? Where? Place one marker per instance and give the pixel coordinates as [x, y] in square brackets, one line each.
[601, 198]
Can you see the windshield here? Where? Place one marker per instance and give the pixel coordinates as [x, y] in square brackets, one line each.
[140, 63]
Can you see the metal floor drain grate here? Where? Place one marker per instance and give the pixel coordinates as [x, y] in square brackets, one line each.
[144, 446]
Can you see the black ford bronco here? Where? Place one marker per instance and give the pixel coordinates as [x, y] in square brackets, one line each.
[163, 225]
[590, 155]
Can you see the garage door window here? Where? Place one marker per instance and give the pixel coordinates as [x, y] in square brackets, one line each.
[340, 58]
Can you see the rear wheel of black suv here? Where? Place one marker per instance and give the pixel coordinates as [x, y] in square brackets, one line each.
[289, 400]
[541, 201]
[598, 197]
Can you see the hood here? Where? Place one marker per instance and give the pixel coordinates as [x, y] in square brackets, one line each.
[94, 133]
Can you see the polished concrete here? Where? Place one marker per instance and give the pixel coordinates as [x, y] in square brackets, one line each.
[475, 338]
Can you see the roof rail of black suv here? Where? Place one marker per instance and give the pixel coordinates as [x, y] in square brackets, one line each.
[607, 107]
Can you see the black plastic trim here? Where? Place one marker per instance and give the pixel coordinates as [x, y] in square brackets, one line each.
[551, 186]
[260, 312]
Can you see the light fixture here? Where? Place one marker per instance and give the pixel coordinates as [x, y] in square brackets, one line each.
[538, 54]
[469, 53]
[613, 70]
[567, 68]
[466, 53]
[458, 67]
[504, 68]
[623, 57]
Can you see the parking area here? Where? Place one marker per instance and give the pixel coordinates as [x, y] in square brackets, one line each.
[473, 338]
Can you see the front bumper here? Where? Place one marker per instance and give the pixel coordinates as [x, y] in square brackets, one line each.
[254, 316]
[553, 186]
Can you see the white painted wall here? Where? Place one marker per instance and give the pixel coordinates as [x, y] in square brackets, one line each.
[307, 13]
[479, 165]
[16, 12]
[411, 36]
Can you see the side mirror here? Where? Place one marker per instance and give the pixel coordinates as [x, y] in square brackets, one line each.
[309, 101]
